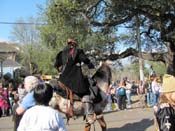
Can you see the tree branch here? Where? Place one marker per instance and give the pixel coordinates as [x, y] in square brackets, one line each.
[134, 52]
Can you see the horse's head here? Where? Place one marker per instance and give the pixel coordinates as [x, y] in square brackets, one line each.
[103, 76]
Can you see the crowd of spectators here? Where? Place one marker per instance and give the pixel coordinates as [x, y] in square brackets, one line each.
[29, 95]
[121, 92]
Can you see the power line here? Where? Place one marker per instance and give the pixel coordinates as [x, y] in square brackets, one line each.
[21, 23]
[32, 23]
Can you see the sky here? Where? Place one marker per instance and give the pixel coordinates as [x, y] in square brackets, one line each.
[13, 10]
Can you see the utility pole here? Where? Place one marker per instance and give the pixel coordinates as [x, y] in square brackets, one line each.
[1, 62]
[1, 69]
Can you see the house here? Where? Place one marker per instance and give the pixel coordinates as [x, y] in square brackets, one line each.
[9, 67]
[8, 50]
[8, 64]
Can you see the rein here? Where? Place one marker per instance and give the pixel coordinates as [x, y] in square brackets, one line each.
[69, 96]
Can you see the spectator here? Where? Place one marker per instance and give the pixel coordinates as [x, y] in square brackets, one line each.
[149, 94]
[121, 92]
[109, 99]
[4, 105]
[11, 94]
[165, 112]
[113, 92]
[156, 91]
[141, 94]
[30, 82]
[21, 91]
[15, 118]
[128, 93]
[41, 116]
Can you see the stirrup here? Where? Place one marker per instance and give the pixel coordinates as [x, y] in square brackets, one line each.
[90, 119]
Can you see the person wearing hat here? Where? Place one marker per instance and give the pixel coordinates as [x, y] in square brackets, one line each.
[70, 59]
[165, 113]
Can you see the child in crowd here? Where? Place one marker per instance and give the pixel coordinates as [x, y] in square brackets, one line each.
[165, 112]
[3, 100]
[21, 91]
[41, 116]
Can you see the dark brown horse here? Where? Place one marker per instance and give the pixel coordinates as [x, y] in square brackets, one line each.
[103, 79]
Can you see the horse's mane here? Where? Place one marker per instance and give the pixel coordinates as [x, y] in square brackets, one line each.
[104, 73]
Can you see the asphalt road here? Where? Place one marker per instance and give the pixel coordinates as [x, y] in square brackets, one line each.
[136, 119]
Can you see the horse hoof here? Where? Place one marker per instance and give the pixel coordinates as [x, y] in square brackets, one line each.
[90, 119]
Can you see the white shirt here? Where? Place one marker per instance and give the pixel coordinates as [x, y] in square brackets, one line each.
[156, 87]
[41, 118]
[21, 92]
[128, 87]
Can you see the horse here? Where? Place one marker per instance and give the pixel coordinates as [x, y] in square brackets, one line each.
[103, 78]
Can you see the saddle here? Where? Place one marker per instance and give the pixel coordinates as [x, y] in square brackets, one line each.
[65, 92]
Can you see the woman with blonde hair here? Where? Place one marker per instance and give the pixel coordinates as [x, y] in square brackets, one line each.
[30, 82]
[165, 112]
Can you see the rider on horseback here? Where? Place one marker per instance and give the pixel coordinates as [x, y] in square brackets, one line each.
[70, 59]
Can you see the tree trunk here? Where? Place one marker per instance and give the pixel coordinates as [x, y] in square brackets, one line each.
[170, 58]
[141, 61]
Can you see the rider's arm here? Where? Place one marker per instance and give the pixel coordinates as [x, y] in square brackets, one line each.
[58, 60]
[85, 59]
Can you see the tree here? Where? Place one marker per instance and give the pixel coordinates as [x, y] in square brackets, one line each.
[159, 16]
[96, 23]
[157, 21]
[63, 24]
[66, 19]
[33, 55]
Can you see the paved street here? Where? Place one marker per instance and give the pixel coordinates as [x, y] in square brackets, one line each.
[6, 124]
[137, 119]
[128, 120]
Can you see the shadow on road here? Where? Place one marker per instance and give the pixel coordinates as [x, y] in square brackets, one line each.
[134, 101]
[137, 126]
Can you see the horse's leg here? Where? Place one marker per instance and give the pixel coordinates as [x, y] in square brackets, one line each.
[67, 118]
[87, 127]
[102, 123]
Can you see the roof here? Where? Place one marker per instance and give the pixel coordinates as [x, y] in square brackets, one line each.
[10, 63]
[8, 47]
